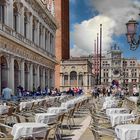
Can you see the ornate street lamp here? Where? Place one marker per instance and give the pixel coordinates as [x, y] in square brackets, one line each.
[131, 34]
[131, 39]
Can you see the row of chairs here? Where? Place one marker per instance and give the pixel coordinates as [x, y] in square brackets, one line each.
[100, 124]
[53, 131]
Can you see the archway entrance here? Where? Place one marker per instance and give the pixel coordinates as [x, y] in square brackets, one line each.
[4, 72]
[73, 79]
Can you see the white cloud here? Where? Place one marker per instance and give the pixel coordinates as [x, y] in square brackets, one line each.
[85, 33]
[113, 14]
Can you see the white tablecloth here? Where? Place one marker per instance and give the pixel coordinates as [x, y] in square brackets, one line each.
[133, 99]
[46, 118]
[121, 118]
[26, 105]
[116, 111]
[27, 129]
[128, 132]
[56, 110]
[68, 104]
[3, 109]
[110, 104]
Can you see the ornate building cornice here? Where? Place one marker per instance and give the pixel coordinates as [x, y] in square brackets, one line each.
[43, 12]
[19, 51]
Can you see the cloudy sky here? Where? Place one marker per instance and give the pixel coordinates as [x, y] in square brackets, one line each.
[86, 17]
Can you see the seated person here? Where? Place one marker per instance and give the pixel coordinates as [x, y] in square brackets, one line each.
[7, 93]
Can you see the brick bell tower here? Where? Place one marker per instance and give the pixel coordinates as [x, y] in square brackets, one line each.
[62, 35]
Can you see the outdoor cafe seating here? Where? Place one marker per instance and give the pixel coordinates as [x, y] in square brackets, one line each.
[110, 120]
[40, 117]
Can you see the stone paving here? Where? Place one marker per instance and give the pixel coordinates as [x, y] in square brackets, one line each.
[79, 125]
[80, 131]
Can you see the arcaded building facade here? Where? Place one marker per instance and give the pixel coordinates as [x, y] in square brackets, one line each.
[27, 43]
[62, 35]
[76, 72]
[114, 66]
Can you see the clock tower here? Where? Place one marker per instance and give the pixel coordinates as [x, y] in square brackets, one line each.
[116, 57]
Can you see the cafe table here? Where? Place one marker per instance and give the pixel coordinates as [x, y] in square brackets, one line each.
[128, 132]
[120, 118]
[3, 109]
[28, 130]
[47, 118]
[116, 111]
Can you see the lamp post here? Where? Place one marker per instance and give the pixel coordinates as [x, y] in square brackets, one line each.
[100, 53]
[97, 58]
[131, 34]
[132, 40]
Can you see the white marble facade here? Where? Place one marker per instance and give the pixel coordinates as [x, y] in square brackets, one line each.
[76, 72]
[27, 44]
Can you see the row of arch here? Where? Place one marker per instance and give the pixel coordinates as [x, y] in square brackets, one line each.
[45, 78]
[27, 24]
[74, 79]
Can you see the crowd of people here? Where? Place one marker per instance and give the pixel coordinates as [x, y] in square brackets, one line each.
[75, 91]
[114, 90]
[7, 93]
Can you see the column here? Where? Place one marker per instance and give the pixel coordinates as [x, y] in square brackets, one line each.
[11, 73]
[22, 21]
[69, 80]
[9, 13]
[31, 27]
[49, 78]
[54, 45]
[31, 77]
[18, 17]
[77, 80]
[43, 80]
[53, 78]
[22, 80]
[43, 40]
[48, 42]
[38, 77]
[6, 13]
[85, 81]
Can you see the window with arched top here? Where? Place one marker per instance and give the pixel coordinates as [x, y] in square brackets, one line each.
[4, 72]
[65, 79]
[73, 78]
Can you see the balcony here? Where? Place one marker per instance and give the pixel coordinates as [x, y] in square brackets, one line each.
[9, 31]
